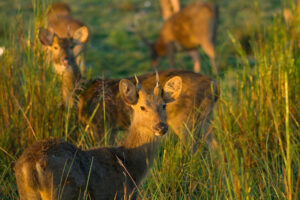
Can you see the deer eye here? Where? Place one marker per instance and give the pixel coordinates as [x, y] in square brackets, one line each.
[55, 47]
[143, 108]
[71, 46]
[164, 106]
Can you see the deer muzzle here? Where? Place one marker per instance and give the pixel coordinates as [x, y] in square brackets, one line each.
[160, 129]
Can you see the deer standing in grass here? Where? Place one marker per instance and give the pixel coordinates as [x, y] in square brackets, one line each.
[64, 26]
[55, 169]
[193, 26]
[192, 110]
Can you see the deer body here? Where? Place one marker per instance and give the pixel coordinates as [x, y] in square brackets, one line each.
[54, 169]
[193, 26]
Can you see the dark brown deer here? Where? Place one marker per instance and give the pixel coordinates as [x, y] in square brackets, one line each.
[193, 26]
[54, 169]
[192, 110]
[63, 25]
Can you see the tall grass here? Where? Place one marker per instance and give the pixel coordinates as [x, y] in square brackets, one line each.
[256, 121]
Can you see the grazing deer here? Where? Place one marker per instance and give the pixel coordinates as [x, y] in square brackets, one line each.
[63, 25]
[193, 26]
[54, 169]
[192, 110]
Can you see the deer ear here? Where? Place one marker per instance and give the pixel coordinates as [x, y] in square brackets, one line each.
[172, 89]
[128, 92]
[46, 37]
[81, 34]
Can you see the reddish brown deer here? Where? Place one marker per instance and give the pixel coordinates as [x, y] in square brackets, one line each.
[54, 169]
[63, 55]
[193, 26]
[63, 25]
[192, 110]
[59, 9]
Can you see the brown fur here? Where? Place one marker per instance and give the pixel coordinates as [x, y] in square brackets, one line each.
[61, 22]
[192, 110]
[169, 7]
[195, 25]
[59, 9]
[64, 52]
[54, 169]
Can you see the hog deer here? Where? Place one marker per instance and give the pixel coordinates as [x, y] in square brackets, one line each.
[54, 169]
[61, 23]
[192, 110]
[63, 54]
[193, 26]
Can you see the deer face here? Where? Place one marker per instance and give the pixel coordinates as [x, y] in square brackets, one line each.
[64, 51]
[149, 108]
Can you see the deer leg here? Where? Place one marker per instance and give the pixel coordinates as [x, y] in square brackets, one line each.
[196, 59]
[80, 62]
[210, 51]
[170, 54]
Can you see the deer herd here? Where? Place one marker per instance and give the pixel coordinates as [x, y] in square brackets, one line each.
[146, 106]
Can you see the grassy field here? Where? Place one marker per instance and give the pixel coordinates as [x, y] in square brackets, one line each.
[256, 122]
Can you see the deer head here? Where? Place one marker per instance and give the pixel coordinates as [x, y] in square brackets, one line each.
[149, 108]
[63, 50]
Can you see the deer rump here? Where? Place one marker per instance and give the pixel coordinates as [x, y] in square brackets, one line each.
[192, 109]
[69, 164]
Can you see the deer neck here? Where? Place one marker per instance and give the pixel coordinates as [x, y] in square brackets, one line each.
[160, 47]
[138, 152]
[70, 79]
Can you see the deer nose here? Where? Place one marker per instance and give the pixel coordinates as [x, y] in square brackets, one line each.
[160, 129]
[66, 62]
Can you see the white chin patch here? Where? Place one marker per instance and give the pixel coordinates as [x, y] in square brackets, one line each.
[160, 135]
[59, 69]
[157, 134]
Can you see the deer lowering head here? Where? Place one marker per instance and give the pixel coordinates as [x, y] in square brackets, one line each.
[64, 52]
[54, 169]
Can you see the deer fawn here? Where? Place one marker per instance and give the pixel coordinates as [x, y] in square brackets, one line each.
[54, 169]
[192, 110]
[193, 26]
[63, 25]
